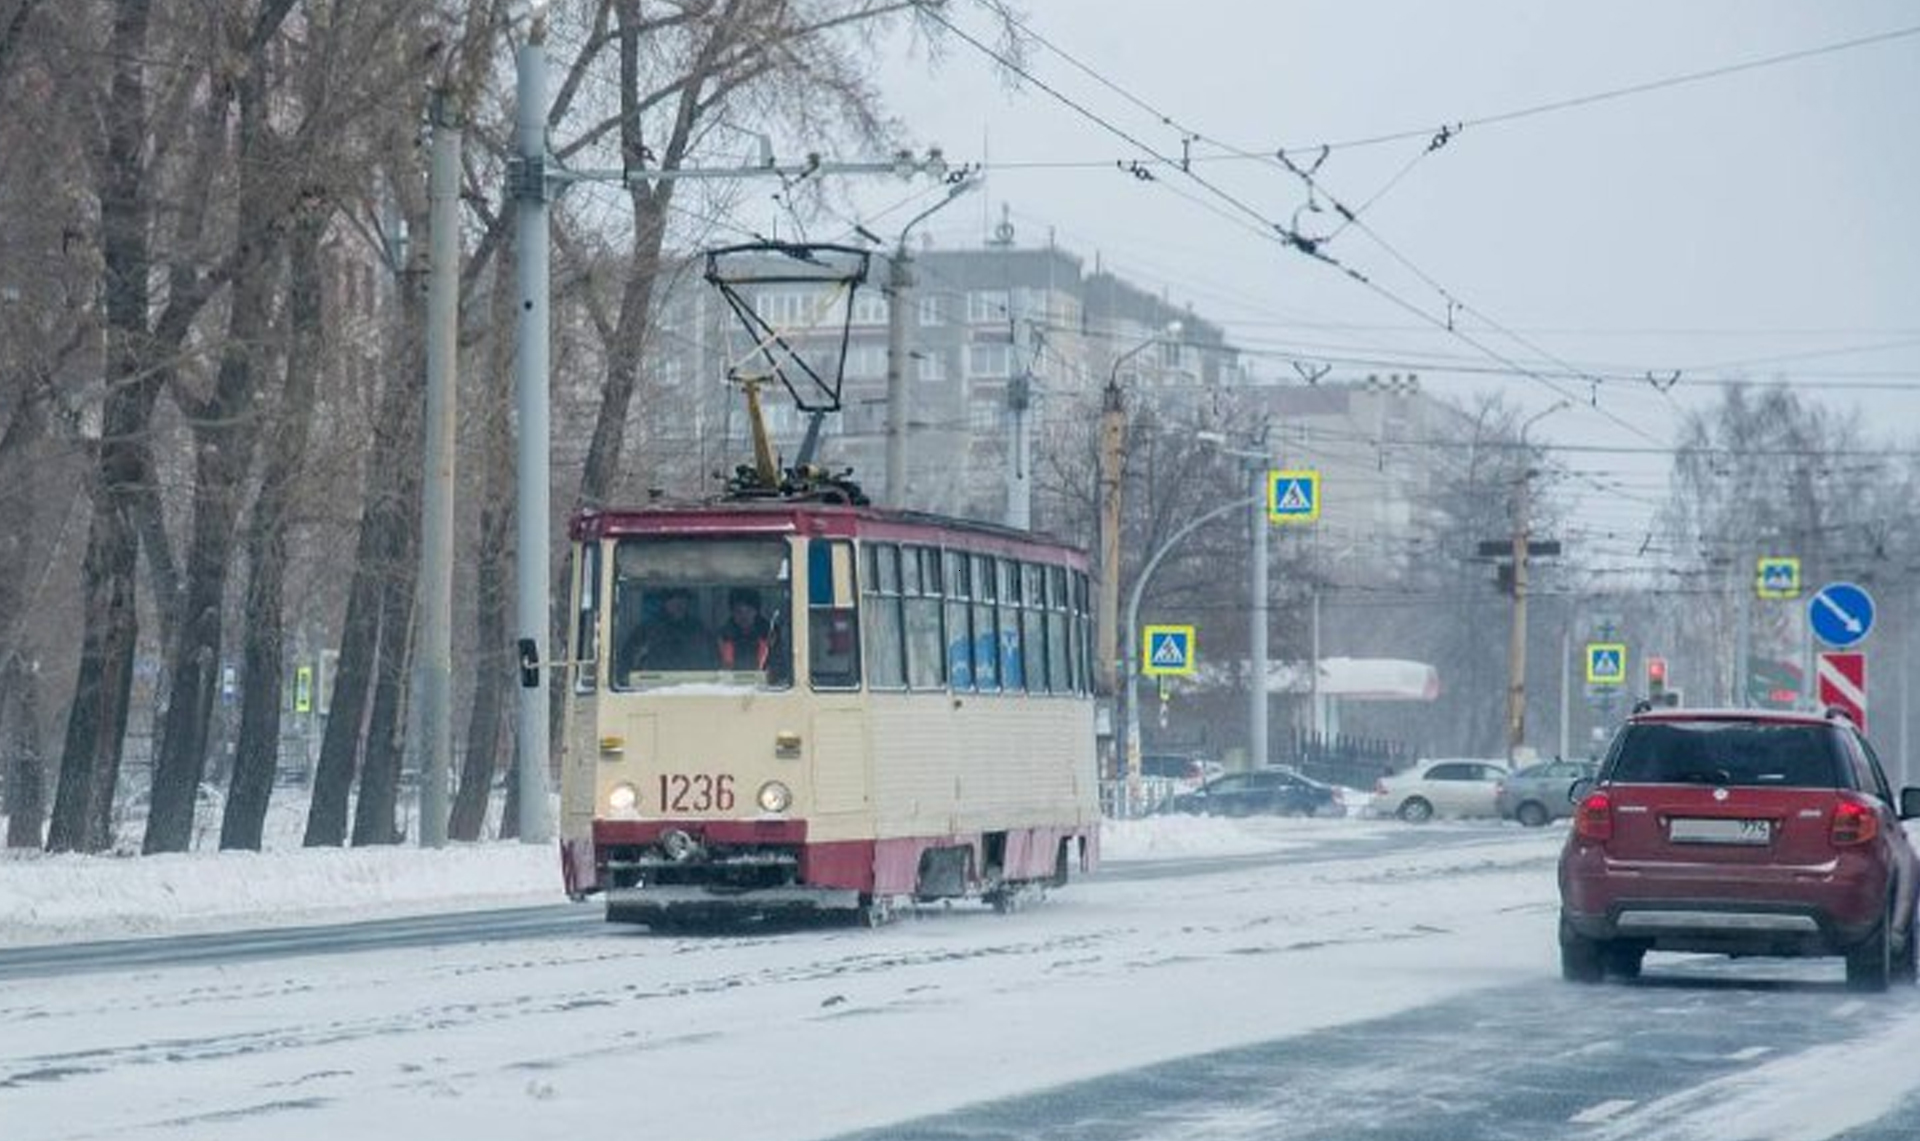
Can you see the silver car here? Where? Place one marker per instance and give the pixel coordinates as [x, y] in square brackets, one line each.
[1450, 786]
[1538, 793]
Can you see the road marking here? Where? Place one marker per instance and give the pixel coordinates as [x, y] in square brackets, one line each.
[1594, 1114]
[1748, 1054]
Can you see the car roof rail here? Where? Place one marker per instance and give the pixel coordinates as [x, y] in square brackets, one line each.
[1833, 712]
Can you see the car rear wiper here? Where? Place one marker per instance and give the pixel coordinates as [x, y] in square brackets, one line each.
[1704, 776]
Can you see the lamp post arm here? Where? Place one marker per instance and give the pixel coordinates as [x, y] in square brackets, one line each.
[1153, 561]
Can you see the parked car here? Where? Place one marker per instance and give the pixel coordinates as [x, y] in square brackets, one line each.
[1173, 773]
[1265, 792]
[1538, 793]
[1741, 832]
[1447, 786]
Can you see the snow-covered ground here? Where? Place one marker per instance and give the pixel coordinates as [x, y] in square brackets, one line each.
[69, 898]
[790, 1036]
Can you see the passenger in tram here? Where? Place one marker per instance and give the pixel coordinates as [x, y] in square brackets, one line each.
[746, 640]
[673, 638]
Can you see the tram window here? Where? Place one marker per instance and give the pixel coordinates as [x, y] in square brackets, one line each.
[689, 611]
[586, 629]
[1013, 674]
[833, 628]
[1033, 619]
[986, 628]
[959, 624]
[1059, 674]
[1082, 644]
[926, 648]
[886, 650]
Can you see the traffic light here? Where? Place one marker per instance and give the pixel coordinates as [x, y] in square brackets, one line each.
[1656, 680]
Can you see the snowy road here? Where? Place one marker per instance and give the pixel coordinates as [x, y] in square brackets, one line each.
[1362, 980]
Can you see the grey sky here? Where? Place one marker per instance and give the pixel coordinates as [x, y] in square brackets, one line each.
[1755, 224]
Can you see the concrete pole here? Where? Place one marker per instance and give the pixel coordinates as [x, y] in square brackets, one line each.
[1113, 432]
[1517, 642]
[1019, 482]
[1258, 756]
[433, 667]
[899, 292]
[533, 461]
[1316, 716]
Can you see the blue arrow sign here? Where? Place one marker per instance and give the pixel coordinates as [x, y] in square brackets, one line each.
[1841, 614]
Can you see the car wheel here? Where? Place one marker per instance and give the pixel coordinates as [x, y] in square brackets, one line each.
[1415, 810]
[1622, 960]
[1906, 964]
[1579, 956]
[1870, 965]
[1532, 814]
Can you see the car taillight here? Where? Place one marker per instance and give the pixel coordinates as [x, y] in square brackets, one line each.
[1593, 820]
[1853, 823]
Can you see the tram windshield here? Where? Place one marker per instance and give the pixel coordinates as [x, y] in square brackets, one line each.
[689, 612]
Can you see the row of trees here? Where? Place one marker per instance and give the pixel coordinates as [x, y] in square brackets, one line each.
[212, 267]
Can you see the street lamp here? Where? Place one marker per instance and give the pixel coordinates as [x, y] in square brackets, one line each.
[899, 287]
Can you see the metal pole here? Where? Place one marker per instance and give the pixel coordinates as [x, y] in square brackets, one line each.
[533, 464]
[1257, 626]
[1130, 743]
[899, 288]
[1566, 690]
[433, 668]
[1742, 647]
[1316, 718]
[1019, 486]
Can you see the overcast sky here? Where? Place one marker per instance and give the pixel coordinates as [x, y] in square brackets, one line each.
[1755, 223]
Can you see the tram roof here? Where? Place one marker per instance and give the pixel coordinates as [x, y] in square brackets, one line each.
[834, 520]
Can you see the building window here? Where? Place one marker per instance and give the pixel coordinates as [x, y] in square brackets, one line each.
[932, 309]
[866, 361]
[930, 366]
[989, 360]
[985, 416]
[988, 307]
[870, 308]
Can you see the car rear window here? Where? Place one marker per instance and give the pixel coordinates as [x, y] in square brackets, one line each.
[1728, 753]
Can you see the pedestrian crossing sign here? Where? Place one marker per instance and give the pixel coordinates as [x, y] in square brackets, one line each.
[1606, 663]
[1293, 496]
[1777, 577]
[1169, 650]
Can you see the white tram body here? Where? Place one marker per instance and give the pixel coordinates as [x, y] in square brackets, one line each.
[790, 705]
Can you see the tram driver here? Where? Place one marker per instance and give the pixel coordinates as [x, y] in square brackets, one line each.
[671, 638]
[747, 639]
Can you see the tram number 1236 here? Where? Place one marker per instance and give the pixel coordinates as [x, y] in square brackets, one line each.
[701, 792]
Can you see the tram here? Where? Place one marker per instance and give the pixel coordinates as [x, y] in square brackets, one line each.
[790, 704]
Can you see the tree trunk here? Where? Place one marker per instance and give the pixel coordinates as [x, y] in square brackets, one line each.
[97, 719]
[225, 437]
[263, 668]
[375, 811]
[492, 669]
[26, 765]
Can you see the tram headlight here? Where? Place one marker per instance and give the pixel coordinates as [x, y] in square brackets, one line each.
[623, 797]
[775, 797]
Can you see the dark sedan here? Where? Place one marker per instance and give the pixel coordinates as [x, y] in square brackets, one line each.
[1268, 792]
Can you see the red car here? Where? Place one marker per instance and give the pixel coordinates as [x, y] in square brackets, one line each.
[1739, 832]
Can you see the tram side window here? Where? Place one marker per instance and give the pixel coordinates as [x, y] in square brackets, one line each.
[926, 647]
[886, 648]
[959, 623]
[1013, 674]
[1082, 637]
[986, 627]
[586, 629]
[833, 628]
[1033, 628]
[1059, 676]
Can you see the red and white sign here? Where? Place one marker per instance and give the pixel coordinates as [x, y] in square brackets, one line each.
[1840, 680]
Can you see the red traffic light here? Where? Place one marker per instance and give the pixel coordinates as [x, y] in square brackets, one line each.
[1656, 672]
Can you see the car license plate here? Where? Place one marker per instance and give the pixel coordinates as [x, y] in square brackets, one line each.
[1718, 830]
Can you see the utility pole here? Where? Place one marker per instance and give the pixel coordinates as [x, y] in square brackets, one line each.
[1517, 638]
[1019, 477]
[1113, 434]
[433, 668]
[1257, 755]
[899, 312]
[529, 187]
